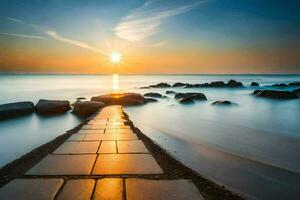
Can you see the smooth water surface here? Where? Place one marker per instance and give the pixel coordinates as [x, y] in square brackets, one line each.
[252, 147]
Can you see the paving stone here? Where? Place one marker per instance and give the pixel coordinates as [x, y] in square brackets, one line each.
[90, 137]
[64, 165]
[108, 147]
[132, 146]
[76, 137]
[120, 127]
[97, 123]
[118, 131]
[78, 148]
[77, 189]
[126, 164]
[161, 190]
[110, 123]
[30, 189]
[98, 127]
[109, 189]
[99, 131]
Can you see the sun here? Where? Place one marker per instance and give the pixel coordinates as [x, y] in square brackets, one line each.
[115, 57]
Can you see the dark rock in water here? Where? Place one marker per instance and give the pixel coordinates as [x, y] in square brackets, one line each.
[153, 94]
[294, 84]
[52, 107]
[16, 109]
[86, 108]
[254, 84]
[186, 100]
[170, 92]
[297, 91]
[125, 99]
[150, 100]
[280, 85]
[145, 87]
[179, 84]
[234, 83]
[191, 95]
[222, 103]
[275, 94]
[80, 98]
[161, 85]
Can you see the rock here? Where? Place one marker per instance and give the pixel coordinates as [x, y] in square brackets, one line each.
[16, 109]
[125, 99]
[145, 87]
[170, 92]
[186, 100]
[80, 98]
[86, 108]
[153, 94]
[280, 85]
[222, 103]
[294, 84]
[275, 94]
[297, 91]
[52, 107]
[234, 83]
[150, 100]
[179, 84]
[254, 84]
[160, 85]
[193, 96]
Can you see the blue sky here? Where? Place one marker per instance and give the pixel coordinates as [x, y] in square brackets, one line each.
[268, 27]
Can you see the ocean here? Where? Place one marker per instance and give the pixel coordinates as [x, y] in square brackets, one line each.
[252, 148]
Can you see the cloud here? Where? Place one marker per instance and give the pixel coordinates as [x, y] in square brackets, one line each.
[159, 44]
[14, 20]
[58, 37]
[24, 36]
[144, 21]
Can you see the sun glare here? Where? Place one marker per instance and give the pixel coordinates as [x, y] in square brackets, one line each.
[115, 57]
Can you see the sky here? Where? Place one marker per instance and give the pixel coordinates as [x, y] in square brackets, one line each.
[152, 36]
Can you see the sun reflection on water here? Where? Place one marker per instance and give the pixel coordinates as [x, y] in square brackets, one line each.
[115, 82]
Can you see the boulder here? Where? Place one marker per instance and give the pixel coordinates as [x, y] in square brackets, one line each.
[150, 100]
[297, 91]
[170, 92]
[52, 107]
[186, 100]
[294, 84]
[191, 95]
[16, 109]
[254, 84]
[80, 98]
[280, 85]
[275, 94]
[234, 83]
[161, 85]
[125, 99]
[153, 94]
[178, 84]
[222, 103]
[86, 108]
[145, 87]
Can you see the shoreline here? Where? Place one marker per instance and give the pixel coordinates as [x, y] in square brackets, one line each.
[173, 169]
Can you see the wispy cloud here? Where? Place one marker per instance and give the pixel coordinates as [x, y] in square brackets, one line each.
[144, 21]
[22, 35]
[159, 44]
[52, 34]
[77, 43]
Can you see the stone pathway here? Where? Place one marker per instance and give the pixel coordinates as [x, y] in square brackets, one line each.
[104, 147]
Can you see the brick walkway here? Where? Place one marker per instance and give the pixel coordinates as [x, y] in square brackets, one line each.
[103, 148]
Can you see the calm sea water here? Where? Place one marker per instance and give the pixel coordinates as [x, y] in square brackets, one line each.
[252, 148]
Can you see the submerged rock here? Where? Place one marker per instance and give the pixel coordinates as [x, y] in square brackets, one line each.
[170, 92]
[86, 108]
[297, 91]
[80, 98]
[16, 109]
[125, 99]
[234, 83]
[52, 107]
[153, 94]
[186, 100]
[150, 100]
[216, 84]
[275, 94]
[191, 95]
[254, 84]
[280, 85]
[226, 102]
[178, 84]
[161, 85]
[294, 84]
[145, 87]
